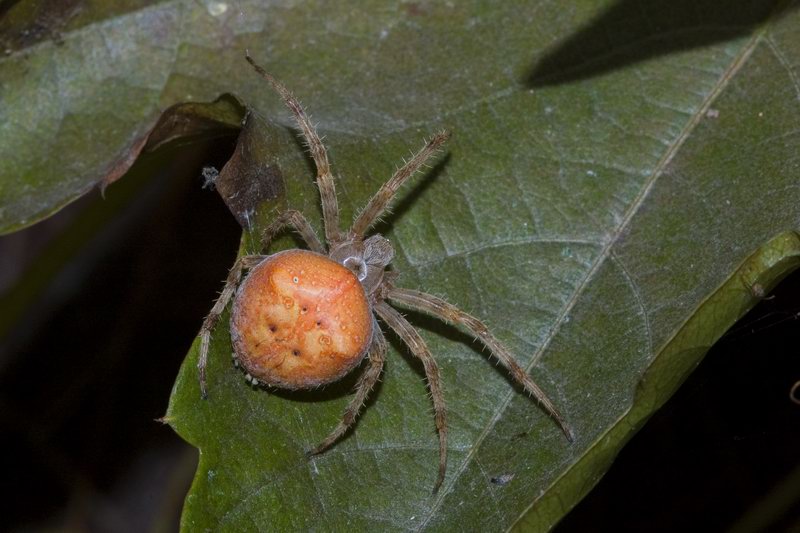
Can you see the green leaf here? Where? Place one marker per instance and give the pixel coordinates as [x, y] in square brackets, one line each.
[620, 187]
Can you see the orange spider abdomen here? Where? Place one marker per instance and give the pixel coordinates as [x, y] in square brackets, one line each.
[300, 320]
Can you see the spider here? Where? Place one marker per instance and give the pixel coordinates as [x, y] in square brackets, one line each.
[302, 319]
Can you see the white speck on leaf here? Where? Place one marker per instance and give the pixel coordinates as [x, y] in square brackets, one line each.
[216, 9]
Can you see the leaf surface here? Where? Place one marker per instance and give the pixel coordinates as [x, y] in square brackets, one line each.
[608, 214]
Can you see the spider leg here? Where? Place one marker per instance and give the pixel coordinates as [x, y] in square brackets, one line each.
[293, 219]
[235, 274]
[418, 347]
[327, 189]
[378, 203]
[365, 384]
[441, 309]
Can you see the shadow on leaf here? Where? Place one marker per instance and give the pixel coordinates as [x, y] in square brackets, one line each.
[632, 31]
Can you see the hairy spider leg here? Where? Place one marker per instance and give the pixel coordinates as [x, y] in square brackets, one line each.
[234, 276]
[417, 345]
[443, 310]
[381, 200]
[365, 384]
[327, 189]
[294, 219]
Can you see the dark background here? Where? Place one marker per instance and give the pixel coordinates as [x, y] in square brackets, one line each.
[89, 363]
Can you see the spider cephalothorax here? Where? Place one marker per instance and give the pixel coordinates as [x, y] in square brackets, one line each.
[302, 319]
